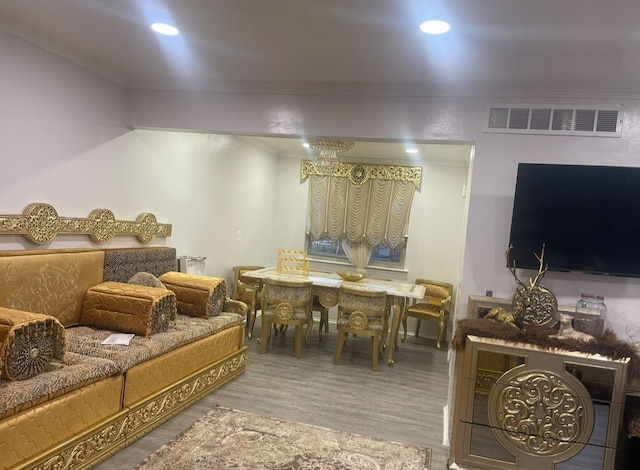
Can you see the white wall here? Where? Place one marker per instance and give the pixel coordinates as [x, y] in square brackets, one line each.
[494, 173]
[436, 119]
[65, 142]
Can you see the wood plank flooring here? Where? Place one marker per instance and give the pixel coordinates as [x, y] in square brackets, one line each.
[403, 403]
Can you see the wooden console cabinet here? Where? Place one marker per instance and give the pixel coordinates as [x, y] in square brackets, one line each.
[548, 409]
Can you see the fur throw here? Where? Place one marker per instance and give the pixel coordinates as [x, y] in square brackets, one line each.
[608, 345]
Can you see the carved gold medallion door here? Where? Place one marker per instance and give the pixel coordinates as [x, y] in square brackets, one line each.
[547, 409]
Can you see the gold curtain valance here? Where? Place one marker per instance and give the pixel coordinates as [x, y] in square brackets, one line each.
[40, 223]
[359, 173]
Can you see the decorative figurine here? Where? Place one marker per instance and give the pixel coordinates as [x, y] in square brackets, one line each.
[502, 315]
[566, 331]
[533, 304]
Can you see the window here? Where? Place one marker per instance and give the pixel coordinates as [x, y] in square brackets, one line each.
[381, 256]
[366, 205]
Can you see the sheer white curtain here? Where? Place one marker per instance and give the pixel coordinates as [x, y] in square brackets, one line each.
[359, 215]
[358, 253]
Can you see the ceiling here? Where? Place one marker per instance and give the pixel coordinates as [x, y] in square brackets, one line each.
[369, 47]
[441, 153]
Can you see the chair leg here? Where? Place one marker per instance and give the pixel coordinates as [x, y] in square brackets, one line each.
[264, 335]
[442, 331]
[375, 350]
[251, 320]
[309, 328]
[324, 322]
[418, 321]
[404, 326]
[298, 347]
[342, 338]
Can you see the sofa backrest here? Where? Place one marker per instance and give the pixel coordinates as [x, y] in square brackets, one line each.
[54, 282]
[121, 264]
[51, 283]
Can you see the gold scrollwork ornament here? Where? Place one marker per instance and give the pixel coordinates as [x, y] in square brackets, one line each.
[284, 311]
[358, 320]
[40, 223]
[541, 413]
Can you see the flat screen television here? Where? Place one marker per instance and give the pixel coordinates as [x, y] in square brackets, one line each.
[588, 218]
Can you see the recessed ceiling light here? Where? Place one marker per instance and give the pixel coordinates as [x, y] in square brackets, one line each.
[435, 27]
[411, 151]
[166, 29]
[306, 145]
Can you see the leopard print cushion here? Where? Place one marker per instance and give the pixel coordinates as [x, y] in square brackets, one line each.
[145, 279]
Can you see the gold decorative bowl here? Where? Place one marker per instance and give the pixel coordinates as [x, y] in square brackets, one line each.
[352, 277]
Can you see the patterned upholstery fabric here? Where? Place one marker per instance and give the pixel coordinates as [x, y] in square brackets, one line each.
[87, 340]
[291, 294]
[299, 313]
[197, 296]
[121, 264]
[28, 343]
[145, 279]
[361, 303]
[73, 372]
[53, 284]
[373, 323]
[128, 308]
[432, 290]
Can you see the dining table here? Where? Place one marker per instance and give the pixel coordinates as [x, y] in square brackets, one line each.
[325, 285]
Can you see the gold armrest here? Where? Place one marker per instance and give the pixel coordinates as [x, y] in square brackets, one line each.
[235, 306]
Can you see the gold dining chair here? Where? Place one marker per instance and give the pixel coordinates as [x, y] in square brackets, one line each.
[362, 313]
[286, 303]
[247, 290]
[435, 306]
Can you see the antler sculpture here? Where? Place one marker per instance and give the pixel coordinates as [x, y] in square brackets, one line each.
[541, 270]
[532, 303]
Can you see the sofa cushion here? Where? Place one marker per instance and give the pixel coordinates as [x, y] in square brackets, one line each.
[73, 372]
[28, 343]
[128, 308]
[88, 341]
[197, 296]
[145, 279]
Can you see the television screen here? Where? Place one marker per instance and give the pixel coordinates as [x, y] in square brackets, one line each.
[588, 218]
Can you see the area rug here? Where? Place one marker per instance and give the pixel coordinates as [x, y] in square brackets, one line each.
[226, 438]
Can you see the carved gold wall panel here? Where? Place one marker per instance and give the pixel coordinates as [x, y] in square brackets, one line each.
[358, 173]
[40, 223]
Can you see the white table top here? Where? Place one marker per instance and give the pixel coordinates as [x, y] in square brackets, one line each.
[328, 279]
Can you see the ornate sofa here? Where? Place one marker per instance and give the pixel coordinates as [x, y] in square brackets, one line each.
[69, 401]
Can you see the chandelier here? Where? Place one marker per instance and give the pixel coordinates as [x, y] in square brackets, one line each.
[327, 162]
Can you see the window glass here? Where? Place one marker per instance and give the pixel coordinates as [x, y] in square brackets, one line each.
[382, 256]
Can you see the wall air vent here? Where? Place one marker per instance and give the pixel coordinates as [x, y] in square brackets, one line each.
[556, 120]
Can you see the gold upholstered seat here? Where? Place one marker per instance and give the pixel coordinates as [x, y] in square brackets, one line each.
[247, 290]
[286, 303]
[363, 313]
[435, 306]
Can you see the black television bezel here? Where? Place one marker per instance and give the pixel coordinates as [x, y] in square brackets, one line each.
[618, 263]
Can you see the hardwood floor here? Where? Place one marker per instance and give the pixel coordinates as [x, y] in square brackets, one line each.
[403, 403]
